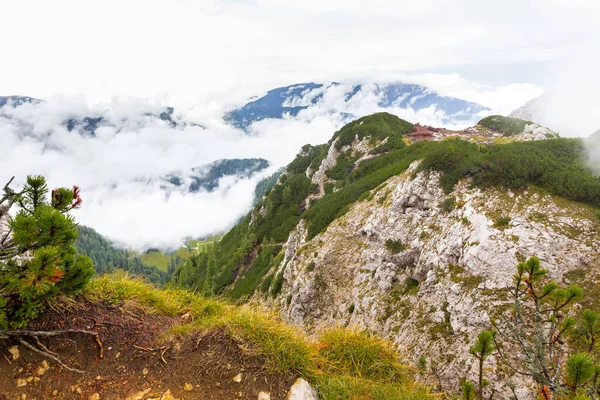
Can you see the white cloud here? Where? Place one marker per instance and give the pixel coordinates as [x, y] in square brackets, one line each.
[572, 103]
[206, 56]
[108, 165]
[188, 49]
[34, 140]
[500, 99]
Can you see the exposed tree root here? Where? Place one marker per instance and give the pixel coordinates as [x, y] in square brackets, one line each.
[162, 355]
[163, 350]
[40, 348]
[50, 356]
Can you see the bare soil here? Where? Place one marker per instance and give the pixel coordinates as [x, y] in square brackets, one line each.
[429, 133]
[134, 361]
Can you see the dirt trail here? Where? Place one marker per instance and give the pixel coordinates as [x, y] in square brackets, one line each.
[135, 366]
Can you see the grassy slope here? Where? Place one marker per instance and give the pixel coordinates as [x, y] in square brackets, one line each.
[244, 260]
[156, 259]
[161, 260]
[197, 246]
[106, 257]
[341, 364]
[507, 125]
[284, 205]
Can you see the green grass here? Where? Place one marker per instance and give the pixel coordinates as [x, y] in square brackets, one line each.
[395, 246]
[341, 363]
[354, 352]
[249, 279]
[197, 246]
[502, 222]
[160, 260]
[507, 125]
[448, 204]
[156, 259]
[119, 288]
[376, 126]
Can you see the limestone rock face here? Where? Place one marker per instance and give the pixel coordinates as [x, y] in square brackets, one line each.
[534, 132]
[301, 390]
[436, 289]
[329, 162]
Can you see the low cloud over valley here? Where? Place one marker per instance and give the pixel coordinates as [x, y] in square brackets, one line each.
[119, 153]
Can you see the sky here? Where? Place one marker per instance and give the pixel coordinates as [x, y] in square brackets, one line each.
[189, 49]
[123, 58]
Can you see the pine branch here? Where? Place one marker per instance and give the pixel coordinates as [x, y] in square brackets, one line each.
[507, 362]
[558, 308]
[8, 192]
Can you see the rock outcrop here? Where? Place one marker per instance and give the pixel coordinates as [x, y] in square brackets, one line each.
[423, 267]
[301, 390]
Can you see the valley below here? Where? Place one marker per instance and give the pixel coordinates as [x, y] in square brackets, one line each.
[392, 243]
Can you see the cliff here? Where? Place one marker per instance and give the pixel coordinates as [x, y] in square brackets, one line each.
[412, 232]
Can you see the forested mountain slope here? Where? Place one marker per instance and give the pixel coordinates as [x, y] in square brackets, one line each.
[409, 231]
[207, 177]
[106, 257]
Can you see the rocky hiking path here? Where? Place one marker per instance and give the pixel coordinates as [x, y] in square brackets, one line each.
[135, 365]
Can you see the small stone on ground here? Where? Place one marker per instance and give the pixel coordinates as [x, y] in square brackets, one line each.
[264, 396]
[301, 390]
[14, 351]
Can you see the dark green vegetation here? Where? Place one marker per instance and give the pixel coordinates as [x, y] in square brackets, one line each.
[394, 246]
[39, 262]
[557, 166]
[212, 272]
[233, 256]
[343, 167]
[507, 125]
[448, 204]
[264, 185]
[250, 277]
[544, 307]
[377, 127]
[207, 177]
[502, 222]
[107, 258]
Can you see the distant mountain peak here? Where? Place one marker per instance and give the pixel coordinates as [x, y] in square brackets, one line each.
[207, 177]
[88, 124]
[15, 101]
[291, 100]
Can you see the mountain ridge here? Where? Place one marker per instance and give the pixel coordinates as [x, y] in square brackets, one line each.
[373, 228]
[207, 177]
[87, 125]
[292, 99]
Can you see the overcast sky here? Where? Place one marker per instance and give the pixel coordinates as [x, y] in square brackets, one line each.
[188, 49]
[125, 57]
